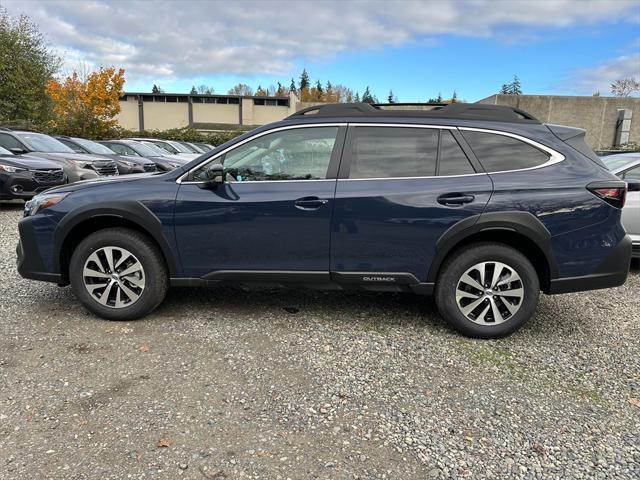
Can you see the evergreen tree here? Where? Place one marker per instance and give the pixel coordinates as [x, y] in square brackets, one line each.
[319, 87]
[356, 99]
[439, 99]
[454, 97]
[366, 96]
[193, 90]
[391, 98]
[504, 90]
[516, 88]
[155, 89]
[304, 80]
[292, 87]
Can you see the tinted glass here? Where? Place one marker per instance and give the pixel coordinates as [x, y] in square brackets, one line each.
[453, 161]
[4, 151]
[634, 174]
[498, 153]
[296, 154]
[384, 152]
[71, 145]
[614, 162]
[93, 147]
[44, 143]
[8, 142]
[117, 148]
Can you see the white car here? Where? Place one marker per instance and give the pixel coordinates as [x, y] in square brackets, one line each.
[627, 167]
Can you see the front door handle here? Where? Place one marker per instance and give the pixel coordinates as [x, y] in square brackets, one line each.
[310, 203]
[455, 199]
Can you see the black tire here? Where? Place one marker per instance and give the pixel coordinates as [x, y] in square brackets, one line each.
[148, 255]
[465, 258]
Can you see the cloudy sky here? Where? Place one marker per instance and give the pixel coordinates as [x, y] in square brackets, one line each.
[416, 48]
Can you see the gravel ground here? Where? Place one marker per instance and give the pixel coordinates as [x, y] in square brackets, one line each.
[228, 384]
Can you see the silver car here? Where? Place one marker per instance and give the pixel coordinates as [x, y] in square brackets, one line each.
[627, 167]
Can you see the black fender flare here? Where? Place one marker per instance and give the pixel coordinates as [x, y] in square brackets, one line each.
[523, 223]
[129, 210]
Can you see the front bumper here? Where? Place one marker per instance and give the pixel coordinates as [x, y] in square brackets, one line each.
[23, 185]
[612, 272]
[29, 261]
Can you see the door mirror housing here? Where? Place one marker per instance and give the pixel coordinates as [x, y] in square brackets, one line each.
[17, 150]
[214, 175]
[633, 185]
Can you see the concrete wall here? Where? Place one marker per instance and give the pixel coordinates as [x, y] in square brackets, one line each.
[128, 116]
[597, 115]
[216, 113]
[163, 116]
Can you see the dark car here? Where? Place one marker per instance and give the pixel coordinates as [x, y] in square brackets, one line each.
[76, 166]
[126, 163]
[164, 163]
[482, 206]
[22, 177]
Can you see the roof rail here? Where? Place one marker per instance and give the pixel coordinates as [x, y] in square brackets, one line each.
[460, 111]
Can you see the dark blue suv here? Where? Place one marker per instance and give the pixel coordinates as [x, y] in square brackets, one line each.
[480, 205]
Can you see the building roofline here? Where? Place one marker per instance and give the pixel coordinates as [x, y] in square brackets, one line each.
[197, 95]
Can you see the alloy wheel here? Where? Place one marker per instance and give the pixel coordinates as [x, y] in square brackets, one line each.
[114, 277]
[489, 293]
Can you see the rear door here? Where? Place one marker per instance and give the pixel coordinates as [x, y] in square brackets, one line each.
[400, 187]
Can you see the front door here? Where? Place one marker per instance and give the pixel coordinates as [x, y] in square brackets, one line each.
[272, 213]
[400, 189]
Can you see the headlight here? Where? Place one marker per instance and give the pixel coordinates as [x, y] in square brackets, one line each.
[81, 163]
[11, 168]
[40, 202]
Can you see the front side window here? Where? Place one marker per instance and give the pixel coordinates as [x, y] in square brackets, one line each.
[72, 145]
[498, 153]
[294, 154]
[387, 152]
[9, 142]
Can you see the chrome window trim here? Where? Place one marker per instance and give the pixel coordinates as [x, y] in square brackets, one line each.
[253, 137]
[554, 156]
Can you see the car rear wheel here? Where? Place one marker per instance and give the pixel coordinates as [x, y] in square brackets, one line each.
[118, 274]
[487, 290]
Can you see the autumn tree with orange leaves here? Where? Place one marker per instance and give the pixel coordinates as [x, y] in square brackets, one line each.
[85, 105]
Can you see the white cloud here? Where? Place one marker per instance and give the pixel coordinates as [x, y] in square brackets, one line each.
[188, 39]
[600, 77]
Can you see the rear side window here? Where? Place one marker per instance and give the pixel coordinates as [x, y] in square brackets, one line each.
[453, 161]
[499, 153]
[387, 152]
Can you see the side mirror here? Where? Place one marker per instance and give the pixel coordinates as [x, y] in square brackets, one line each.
[633, 185]
[214, 175]
[17, 151]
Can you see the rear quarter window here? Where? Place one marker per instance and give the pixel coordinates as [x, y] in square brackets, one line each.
[498, 153]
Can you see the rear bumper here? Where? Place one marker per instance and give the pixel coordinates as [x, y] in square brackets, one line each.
[612, 272]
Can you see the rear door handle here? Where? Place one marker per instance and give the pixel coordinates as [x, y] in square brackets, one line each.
[455, 199]
[310, 203]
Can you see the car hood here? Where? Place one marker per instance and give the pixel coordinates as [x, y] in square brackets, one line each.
[89, 158]
[28, 162]
[82, 184]
[131, 158]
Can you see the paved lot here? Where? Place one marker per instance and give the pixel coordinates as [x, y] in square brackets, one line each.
[226, 384]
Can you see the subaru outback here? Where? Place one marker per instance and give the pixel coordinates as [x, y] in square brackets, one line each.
[481, 206]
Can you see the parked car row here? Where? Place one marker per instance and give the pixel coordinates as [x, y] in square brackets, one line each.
[31, 162]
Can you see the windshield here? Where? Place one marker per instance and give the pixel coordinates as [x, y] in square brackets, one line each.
[93, 147]
[40, 142]
[614, 162]
[157, 151]
[163, 146]
[180, 148]
[4, 151]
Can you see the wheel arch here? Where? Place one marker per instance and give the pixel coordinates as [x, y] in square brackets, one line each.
[520, 230]
[129, 214]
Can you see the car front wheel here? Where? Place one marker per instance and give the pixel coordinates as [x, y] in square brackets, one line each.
[487, 290]
[118, 274]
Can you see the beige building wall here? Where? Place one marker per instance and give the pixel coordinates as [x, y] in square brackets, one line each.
[163, 116]
[128, 116]
[216, 113]
[263, 114]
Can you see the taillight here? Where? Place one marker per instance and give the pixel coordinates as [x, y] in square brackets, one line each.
[614, 192]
